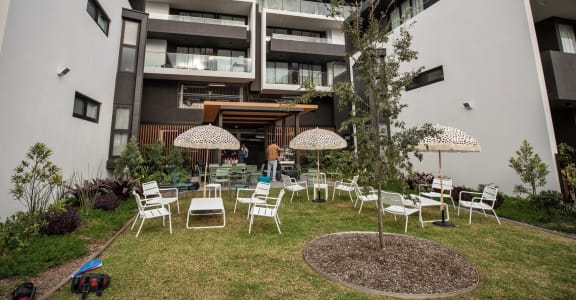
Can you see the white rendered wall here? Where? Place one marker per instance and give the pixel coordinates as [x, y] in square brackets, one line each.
[40, 37]
[488, 52]
[157, 8]
[4, 5]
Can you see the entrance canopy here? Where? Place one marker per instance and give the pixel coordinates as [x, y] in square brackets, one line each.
[251, 113]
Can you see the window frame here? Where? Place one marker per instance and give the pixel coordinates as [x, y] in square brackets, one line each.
[425, 81]
[98, 14]
[86, 101]
[120, 131]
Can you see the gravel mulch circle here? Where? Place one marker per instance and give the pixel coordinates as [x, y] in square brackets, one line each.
[407, 267]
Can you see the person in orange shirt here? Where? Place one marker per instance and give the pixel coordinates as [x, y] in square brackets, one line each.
[272, 156]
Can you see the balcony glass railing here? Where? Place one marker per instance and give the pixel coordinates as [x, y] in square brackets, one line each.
[293, 77]
[197, 20]
[302, 38]
[198, 62]
[308, 7]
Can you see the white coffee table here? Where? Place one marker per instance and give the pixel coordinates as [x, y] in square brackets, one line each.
[206, 206]
[423, 202]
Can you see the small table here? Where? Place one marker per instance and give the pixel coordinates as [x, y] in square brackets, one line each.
[317, 187]
[217, 187]
[203, 206]
[423, 201]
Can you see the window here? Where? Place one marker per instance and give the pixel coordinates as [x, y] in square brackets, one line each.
[86, 108]
[426, 78]
[567, 38]
[120, 129]
[98, 15]
[129, 44]
[407, 9]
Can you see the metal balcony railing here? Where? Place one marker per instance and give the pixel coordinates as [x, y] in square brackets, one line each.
[303, 39]
[293, 77]
[308, 7]
[198, 62]
[197, 20]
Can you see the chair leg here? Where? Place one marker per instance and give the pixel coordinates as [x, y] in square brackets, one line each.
[170, 222]
[334, 193]
[140, 228]
[178, 205]
[470, 216]
[250, 226]
[360, 210]
[235, 206]
[493, 211]
[406, 226]
[277, 223]
[135, 220]
[307, 197]
[292, 197]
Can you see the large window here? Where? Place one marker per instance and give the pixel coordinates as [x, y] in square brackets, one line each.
[86, 108]
[129, 44]
[120, 129]
[95, 10]
[407, 9]
[426, 78]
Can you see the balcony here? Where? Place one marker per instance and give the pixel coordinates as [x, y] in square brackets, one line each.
[560, 75]
[174, 65]
[307, 7]
[302, 48]
[198, 20]
[283, 81]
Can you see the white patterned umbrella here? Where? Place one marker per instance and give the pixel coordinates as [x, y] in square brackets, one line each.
[206, 137]
[449, 139]
[317, 139]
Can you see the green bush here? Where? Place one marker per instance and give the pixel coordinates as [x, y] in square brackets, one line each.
[15, 233]
[130, 161]
[550, 201]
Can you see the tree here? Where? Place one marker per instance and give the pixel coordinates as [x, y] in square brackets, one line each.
[530, 167]
[130, 161]
[384, 141]
[36, 180]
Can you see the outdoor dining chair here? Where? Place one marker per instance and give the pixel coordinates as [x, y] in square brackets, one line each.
[397, 206]
[447, 184]
[250, 196]
[484, 201]
[267, 210]
[370, 195]
[294, 186]
[152, 193]
[345, 185]
[150, 211]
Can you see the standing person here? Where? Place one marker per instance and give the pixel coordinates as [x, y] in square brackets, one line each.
[272, 156]
[242, 154]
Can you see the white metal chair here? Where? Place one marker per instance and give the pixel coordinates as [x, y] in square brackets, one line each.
[480, 201]
[397, 206]
[290, 184]
[371, 195]
[250, 196]
[447, 184]
[152, 193]
[267, 210]
[147, 211]
[345, 185]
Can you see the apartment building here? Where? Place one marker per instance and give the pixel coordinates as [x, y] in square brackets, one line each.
[91, 73]
[503, 71]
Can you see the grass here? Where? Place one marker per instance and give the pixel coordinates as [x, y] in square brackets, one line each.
[514, 262]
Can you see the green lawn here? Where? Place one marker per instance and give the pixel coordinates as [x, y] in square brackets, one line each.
[514, 262]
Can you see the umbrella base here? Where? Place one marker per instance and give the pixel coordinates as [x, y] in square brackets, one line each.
[443, 223]
[319, 200]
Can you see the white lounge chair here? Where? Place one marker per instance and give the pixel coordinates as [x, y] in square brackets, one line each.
[397, 206]
[346, 186]
[267, 210]
[290, 184]
[146, 211]
[484, 201]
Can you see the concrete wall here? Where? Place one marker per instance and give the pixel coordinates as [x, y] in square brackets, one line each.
[40, 37]
[489, 53]
[4, 5]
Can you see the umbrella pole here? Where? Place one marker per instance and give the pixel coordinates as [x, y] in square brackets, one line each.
[318, 198]
[206, 171]
[442, 223]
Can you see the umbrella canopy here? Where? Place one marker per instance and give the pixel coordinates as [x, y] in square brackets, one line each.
[206, 137]
[317, 139]
[449, 139]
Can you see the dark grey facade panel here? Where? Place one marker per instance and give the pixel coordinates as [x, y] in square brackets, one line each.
[560, 75]
[330, 51]
[198, 29]
[160, 104]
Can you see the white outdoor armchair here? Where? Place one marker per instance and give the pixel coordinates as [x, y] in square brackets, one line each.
[397, 206]
[370, 195]
[250, 196]
[150, 211]
[290, 184]
[447, 184]
[345, 185]
[267, 210]
[484, 201]
[152, 193]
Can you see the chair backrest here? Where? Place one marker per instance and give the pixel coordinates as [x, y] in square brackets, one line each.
[251, 169]
[279, 200]
[139, 201]
[150, 189]
[286, 180]
[222, 173]
[395, 199]
[490, 193]
[262, 189]
[355, 180]
[446, 183]
[238, 168]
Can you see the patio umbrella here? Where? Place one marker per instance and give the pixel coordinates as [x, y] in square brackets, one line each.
[207, 137]
[317, 139]
[449, 139]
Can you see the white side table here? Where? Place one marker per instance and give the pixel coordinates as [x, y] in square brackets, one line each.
[216, 187]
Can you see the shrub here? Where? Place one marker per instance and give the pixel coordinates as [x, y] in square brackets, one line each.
[35, 180]
[121, 186]
[88, 192]
[60, 219]
[107, 202]
[416, 178]
[530, 168]
[15, 233]
[130, 161]
[550, 201]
